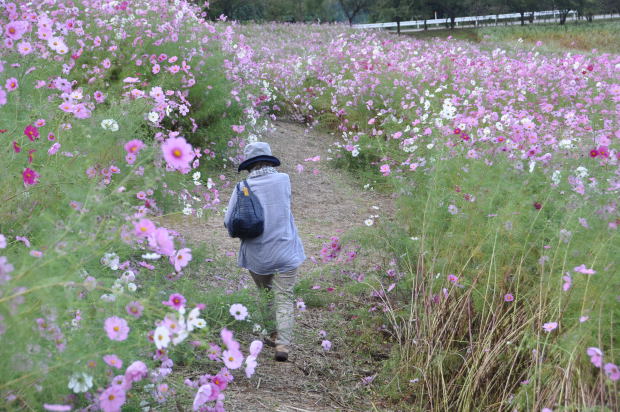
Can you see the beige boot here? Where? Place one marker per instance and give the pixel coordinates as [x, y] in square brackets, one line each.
[281, 353]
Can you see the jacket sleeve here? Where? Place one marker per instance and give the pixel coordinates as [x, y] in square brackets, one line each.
[231, 205]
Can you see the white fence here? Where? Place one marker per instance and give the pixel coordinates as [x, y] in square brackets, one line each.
[475, 21]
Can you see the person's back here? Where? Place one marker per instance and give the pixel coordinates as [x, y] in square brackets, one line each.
[273, 257]
[279, 248]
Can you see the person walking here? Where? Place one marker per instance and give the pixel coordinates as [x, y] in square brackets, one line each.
[272, 258]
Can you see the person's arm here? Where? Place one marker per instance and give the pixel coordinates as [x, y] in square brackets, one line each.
[231, 204]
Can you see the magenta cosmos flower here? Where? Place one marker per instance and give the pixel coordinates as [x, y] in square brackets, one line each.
[31, 132]
[112, 399]
[178, 153]
[176, 300]
[30, 176]
[116, 328]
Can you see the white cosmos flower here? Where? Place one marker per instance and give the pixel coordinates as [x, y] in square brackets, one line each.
[179, 336]
[80, 382]
[161, 337]
[109, 124]
[132, 287]
[193, 321]
[153, 117]
[369, 222]
[151, 256]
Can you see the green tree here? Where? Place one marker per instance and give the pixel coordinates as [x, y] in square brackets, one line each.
[352, 8]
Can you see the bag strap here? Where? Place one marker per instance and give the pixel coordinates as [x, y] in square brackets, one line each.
[246, 185]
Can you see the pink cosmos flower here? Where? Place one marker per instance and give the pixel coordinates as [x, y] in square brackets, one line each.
[134, 146]
[238, 128]
[3, 99]
[214, 352]
[229, 341]
[116, 328]
[178, 153]
[508, 297]
[238, 311]
[568, 281]
[453, 278]
[202, 396]
[130, 158]
[113, 361]
[144, 228]
[181, 259]
[112, 399]
[176, 301]
[30, 176]
[11, 84]
[2, 241]
[327, 345]
[250, 366]
[24, 48]
[582, 269]
[612, 371]
[15, 29]
[550, 326]
[596, 356]
[54, 149]
[385, 170]
[453, 210]
[99, 96]
[134, 309]
[233, 359]
[135, 372]
[161, 242]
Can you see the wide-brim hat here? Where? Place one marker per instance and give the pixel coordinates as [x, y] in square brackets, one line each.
[257, 152]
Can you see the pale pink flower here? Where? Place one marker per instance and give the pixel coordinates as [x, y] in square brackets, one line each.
[113, 361]
[568, 281]
[161, 242]
[181, 259]
[238, 311]
[582, 269]
[202, 396]
[596, 356]
[550, 326]
[24, 48]
[2, 241]
[135, 372]
[134, 309]
[116, 328]
[233, 359]
[327, 345]
[112, 399]
[385, 170]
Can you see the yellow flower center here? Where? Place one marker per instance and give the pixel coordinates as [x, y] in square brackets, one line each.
[116, 328]
[176, 153]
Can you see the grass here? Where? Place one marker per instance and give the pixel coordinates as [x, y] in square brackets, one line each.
[604, 36]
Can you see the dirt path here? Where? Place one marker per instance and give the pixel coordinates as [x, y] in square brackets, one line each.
[325, 203]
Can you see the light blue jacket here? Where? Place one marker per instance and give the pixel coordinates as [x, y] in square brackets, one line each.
[279, 248]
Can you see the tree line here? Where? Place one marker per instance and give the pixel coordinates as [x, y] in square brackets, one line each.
[363, 11]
